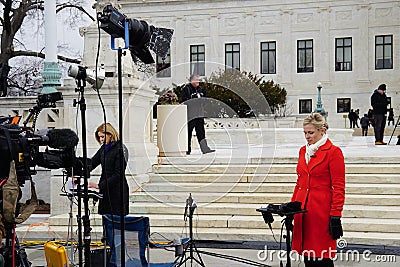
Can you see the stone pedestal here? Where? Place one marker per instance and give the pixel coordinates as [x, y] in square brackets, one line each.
[172, 133]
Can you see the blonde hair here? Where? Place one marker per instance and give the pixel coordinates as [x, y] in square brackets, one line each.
[106, 128]
[317, 120]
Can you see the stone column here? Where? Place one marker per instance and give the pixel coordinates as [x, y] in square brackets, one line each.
[288, 61]
[51, 73]
[214, 48]
[249, 48]
[180, 64]
[362, 73]
[324, 58]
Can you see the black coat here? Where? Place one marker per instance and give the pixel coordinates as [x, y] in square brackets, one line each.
[195, 100]
[379, 103]
[109, 184]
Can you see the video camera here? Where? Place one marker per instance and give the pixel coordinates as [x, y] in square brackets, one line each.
[22, 145]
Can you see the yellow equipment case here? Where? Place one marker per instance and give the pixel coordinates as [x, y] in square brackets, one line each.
[56, 255]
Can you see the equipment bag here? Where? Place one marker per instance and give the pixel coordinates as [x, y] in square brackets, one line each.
[11, 192]
[10, 199]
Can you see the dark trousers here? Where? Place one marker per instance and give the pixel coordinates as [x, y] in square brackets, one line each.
[379, 128]
[364, 131]
[198, 125]
[311, 262]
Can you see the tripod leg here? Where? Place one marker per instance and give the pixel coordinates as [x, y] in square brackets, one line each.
[395, 126]
[199, 260]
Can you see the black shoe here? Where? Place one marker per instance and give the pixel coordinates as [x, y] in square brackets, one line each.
[187, 152]
[208, 151]
[205, 148]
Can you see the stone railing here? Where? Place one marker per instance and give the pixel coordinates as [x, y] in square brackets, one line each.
[231, 132]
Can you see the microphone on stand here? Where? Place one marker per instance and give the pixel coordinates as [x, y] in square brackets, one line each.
[189, 202]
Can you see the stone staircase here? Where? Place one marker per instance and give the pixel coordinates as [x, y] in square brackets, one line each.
[228, 195]
[228, 192]
[388, 132]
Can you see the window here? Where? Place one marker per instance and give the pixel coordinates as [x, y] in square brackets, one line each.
[232, 56]
[305, 105]
[343, 61]
[343, 105]
[305, 56]
[384, 52]
[163, 67]
[268, 57]
[197, 59]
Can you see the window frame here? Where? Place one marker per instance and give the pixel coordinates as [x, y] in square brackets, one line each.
[200, 64]
[267, 53]
[301, 106]
[305, 50]
[383, 45]
[165, 70]
[346, 66]
[232, 54]
[345, 106]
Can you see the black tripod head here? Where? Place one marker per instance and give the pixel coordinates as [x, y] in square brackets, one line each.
[190, 206]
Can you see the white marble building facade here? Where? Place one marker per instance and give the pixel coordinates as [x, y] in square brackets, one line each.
[351, 46]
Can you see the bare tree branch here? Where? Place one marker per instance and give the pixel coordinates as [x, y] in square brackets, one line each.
[66, 5]
[42, 55]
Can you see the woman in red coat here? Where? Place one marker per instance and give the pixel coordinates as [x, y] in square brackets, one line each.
[320, 188]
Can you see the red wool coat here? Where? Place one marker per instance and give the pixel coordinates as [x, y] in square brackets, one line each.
[320, 188]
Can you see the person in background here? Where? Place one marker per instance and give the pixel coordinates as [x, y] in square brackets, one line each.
[108, 156]
[371, 117]
[352, 117]
[379, 104]
[191, 95]
[364, 124]
[320, 187]
[357, 118]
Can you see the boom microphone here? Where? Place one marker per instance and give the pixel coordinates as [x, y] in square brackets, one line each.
[62, 138]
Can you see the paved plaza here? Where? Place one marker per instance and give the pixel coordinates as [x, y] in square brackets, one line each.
[362, 148]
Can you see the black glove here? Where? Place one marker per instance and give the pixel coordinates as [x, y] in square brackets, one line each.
[335, 227]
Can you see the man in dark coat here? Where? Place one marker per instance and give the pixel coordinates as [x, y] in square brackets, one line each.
[379, 104]
[192, 95]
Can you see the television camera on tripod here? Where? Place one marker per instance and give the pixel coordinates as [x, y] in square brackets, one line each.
[21, 150]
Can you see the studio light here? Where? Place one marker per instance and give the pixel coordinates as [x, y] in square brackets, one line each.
[87, 74]
[142, 36]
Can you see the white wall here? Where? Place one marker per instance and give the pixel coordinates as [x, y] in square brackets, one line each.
[215, 23]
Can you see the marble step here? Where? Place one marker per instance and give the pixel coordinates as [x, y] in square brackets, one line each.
[246, 222]
[383, 168]
[45, 232]
[354, 211]
[255, 198]
[271, 177]
[265, 187]
[244, 159]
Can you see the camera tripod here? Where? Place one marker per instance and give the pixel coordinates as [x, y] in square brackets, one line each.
[395, 126]
[191, 245]
[12, 253]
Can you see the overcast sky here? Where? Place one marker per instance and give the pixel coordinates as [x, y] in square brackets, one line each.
[32, 34]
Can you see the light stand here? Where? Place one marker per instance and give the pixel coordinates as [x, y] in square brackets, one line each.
[191, 246]
[121, 155]
[81, 83]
